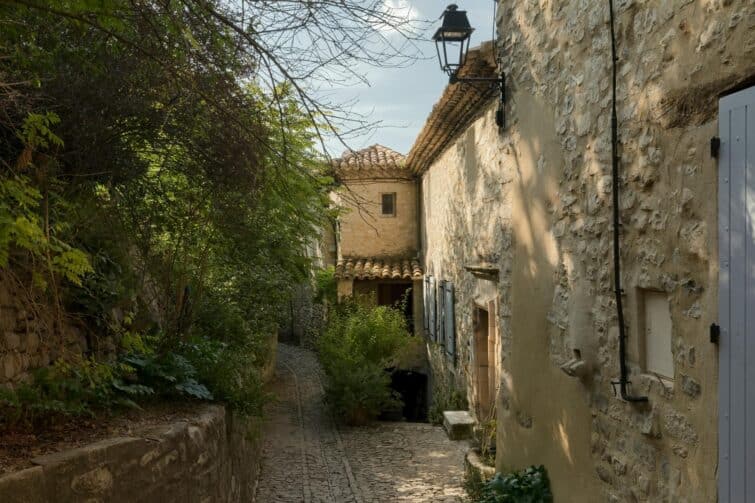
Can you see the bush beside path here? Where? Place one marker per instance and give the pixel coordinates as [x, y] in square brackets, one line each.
[307, 458]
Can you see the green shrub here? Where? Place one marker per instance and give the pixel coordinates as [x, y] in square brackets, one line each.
[530, 485]
[168, 374]
[359, 344]
[228, 354]
[326, 289]
[81, 387]
[226, 370]
[474, 485]
[84, 386]
[487, 438]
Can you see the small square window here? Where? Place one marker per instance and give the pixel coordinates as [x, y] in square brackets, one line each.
[659, 358]
[388, 204]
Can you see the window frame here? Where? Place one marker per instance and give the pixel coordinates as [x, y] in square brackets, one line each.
[382, 204]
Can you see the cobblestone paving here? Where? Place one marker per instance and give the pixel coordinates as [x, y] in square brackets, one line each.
[306, 458]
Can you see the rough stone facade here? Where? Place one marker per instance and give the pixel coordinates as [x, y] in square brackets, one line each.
[212, 457]
[534, 202]
[31, 338]
[466, 221]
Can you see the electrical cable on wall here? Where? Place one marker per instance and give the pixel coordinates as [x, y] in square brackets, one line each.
[624, 371]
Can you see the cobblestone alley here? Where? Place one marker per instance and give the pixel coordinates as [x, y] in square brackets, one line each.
[306, 458]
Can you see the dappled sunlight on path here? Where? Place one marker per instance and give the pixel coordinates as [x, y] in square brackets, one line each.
[306, 458]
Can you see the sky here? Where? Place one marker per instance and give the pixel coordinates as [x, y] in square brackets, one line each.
[402, 98]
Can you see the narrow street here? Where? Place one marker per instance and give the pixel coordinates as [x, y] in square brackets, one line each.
[306, 458]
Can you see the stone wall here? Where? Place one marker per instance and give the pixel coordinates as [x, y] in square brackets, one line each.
[364, 232]
[30, 336]
[211, 457]
[535, 202]
[466, 213]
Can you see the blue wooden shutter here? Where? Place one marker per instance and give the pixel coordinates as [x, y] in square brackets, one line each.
[448, 319]
[439, 318]
[431, 308]
[425, 311]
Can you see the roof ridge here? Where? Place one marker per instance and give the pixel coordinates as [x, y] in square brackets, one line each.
[375, 157]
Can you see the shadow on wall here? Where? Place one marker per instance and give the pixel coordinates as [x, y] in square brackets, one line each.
[558, 147]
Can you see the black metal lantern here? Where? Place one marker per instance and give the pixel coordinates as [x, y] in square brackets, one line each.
[453, 36]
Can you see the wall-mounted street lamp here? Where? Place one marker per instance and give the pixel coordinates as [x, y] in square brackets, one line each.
[452, 38]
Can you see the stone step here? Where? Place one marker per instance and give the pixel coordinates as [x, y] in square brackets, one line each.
[458, 424]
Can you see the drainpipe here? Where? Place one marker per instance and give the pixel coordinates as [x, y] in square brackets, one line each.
[624, 370]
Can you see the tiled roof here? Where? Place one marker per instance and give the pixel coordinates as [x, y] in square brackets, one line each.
[375, 161]
[368, 268]
[459, 106]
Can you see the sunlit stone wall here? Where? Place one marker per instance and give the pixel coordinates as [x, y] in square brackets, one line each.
[535, 201]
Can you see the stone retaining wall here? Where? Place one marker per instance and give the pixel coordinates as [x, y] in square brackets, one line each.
[30, 339]
[212, 457]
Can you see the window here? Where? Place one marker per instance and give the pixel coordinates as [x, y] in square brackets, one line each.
[657, 338]
[388, 204]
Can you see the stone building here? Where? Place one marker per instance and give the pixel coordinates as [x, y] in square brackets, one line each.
[515, 231]
[376, 234]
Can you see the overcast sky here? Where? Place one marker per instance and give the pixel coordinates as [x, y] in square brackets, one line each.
[402, 98]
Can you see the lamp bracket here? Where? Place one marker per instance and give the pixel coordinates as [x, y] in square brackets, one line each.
[499, 81]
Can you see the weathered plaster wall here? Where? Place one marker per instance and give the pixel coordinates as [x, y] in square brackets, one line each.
[211, 457]
[535, 202]
[364, 232]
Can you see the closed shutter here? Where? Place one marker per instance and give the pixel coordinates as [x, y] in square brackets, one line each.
[439, 330]
[448, 319]
[425, 310]
[431, 308]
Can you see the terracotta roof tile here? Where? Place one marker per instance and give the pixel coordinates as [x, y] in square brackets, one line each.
[459, 106]
[377, 268]
[375, 161]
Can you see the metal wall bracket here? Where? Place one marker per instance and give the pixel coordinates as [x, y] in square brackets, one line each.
[715, 147]
[715, 333]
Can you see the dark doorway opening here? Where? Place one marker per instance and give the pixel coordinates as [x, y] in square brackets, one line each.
[397, 295]
[412, 387]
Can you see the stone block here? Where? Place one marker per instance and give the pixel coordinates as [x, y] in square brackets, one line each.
[10, 365]
[32, 342]
[690, 386]
[26, 486]
[458, 424]
[12, 340]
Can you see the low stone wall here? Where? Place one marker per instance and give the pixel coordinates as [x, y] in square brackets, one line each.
[212, 457]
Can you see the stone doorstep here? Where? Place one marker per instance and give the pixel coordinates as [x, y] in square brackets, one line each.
[458, 424]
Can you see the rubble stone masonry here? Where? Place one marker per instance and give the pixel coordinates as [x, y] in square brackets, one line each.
[535, 201]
